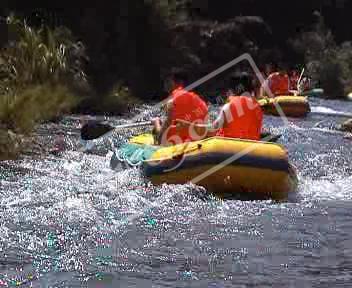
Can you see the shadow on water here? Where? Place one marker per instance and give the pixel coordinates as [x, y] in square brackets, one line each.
[11, 170]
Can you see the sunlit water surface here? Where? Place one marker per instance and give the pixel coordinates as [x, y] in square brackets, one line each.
[70, 221]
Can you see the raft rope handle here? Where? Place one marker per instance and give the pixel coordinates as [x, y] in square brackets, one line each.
[138, 163]
[133, 164]
[120, 158]
[199, 146]
[299, 82]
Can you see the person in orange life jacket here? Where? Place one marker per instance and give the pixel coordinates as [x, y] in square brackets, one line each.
[183, 105]
[241, 117]
[268, 69]
[278, 83]
[294, 77]
[305, 84]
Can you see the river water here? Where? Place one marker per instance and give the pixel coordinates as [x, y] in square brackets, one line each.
[70, 221]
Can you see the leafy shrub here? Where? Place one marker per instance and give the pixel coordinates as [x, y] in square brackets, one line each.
[119, 100]
[329, 65]
[10, 145]
[22, 110]
[39, 68]
[344, 56]
[39, 56]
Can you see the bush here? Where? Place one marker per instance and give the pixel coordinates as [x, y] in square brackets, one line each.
[38, 70]
[119, 100]
[329, 65]
[10, 145]
[38, 56]
[344, 56]
[333, 71]
[22, 110]
[331, 75]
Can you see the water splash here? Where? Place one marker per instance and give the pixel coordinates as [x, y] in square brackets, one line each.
[72, 220]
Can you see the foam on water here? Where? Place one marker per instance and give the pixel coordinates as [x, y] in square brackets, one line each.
[72, 221]
[322, 109]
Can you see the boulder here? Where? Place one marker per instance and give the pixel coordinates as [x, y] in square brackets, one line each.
[9, 145]
[347, 126]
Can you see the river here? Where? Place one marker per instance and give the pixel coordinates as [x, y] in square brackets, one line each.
[70, 221]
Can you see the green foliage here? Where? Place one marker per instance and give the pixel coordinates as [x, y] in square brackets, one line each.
[172, 10]
[21, 111]
[119, 100]
[333, 70]
[10, 144]
[38, 70]
[344, 57]
[328, 64]
[37, 56]
[331, 76]
[314, 44]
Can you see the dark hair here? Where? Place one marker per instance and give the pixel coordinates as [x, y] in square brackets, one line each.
[242, 82]
[179, 77]
[276, 67]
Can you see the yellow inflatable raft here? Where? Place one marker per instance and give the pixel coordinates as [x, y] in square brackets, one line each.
[225, 166]
[292, 106]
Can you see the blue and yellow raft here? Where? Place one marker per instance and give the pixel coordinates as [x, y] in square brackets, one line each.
[224, 166]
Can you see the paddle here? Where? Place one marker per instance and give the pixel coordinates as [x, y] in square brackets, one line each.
[269, 137]
[299, 81]
[298, 91]
[93, 130]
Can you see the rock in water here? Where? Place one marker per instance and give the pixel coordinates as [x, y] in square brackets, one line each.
[348, 136]
[347, 126]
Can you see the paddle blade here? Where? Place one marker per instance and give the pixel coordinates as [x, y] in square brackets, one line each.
[270, 137]
[94, 130]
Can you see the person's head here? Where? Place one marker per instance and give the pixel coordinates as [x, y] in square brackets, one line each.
[281, 69]
[294, 73]
[178, 79]
[242, 83]
[268, 69]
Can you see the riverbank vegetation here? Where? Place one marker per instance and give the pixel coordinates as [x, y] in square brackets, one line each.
[328, 63]
[113, 56]
[39, 80]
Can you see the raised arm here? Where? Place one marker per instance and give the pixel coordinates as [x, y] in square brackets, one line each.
[168, 121]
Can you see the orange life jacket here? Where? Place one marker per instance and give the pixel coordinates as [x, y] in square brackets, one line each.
[279, 84]
[306, 84]
[246, 119]
[186, 106]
